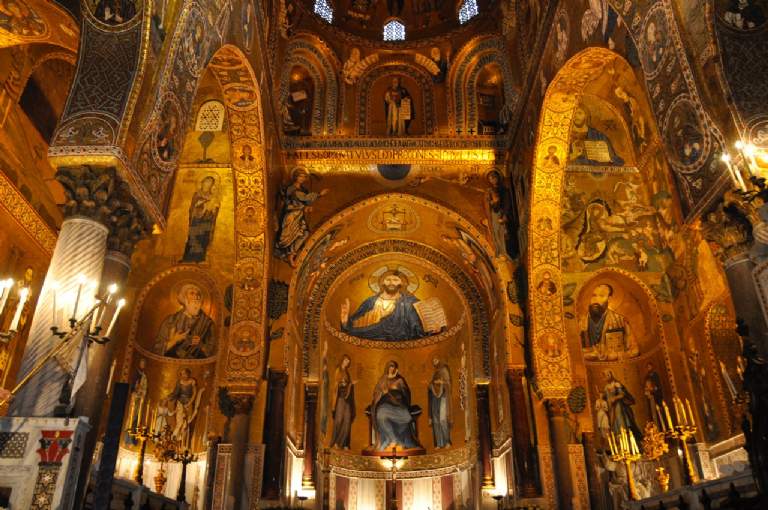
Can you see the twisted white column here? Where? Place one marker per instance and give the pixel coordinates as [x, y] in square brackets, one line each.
[80, 250]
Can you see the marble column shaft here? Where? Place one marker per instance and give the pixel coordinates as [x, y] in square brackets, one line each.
[557, 411]
[80, 250]
[484, 435]
[238, 435]
[90, 399]
[739, 272]
[524, 451]
[310, 450]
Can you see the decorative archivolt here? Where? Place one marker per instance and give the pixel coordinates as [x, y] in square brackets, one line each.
[464, 73]
[384, 70]
[314, 56]
[547, 325]
[309, 287]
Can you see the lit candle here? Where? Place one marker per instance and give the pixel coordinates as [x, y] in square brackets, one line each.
[661, 419]
[749, 155]
[612, 443]
[690, 412]
[669, 418]
[120, 305]
[80, 282]
[138, 417]
[735, 177]
[111, 291]
[23, 293]
[5, 286]
[154, 419]
[682, 411]
[624, 444]
[632, 441]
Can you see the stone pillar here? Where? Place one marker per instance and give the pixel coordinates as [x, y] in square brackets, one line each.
[484, 436]
[238, 438]
[79, 252]
[557, 412]
[310, 450]
[127, 227]
[525, 457]
[739, 272]
[114, 430]
[274, 434]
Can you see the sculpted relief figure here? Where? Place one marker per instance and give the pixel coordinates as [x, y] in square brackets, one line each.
[605, 334]
[189, 332]
[390, 314]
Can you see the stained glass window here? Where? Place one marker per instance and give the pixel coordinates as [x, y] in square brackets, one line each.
[394, 31]
[468, 11]
[324, 10]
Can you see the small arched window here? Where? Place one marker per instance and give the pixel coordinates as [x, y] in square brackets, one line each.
[394, 31]
[210, 116]
[468, 10]
[324, 9]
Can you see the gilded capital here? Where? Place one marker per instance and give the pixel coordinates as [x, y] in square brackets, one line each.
[98, 193]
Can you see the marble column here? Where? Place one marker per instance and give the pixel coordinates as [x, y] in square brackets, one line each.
[557, 412]
[310, 450]
[78, 256]
[484, 436]
[524, 449]
[274, 434]
[238, 438]
[90, 399]
[739, 273]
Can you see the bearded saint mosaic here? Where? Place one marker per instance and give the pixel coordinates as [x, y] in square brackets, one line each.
[188, 333]
[393, 312]
[605, 333]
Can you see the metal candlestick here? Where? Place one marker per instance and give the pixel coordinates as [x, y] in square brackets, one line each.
[141, 434]
[185, 458]
[654, 447]
[624, 449]
[683, 428]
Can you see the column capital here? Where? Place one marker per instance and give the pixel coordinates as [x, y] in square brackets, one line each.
[231, 404]
[557, 407]
[728, 230]
[99, 194]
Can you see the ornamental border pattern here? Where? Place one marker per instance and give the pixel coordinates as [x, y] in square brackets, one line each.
[26, 216]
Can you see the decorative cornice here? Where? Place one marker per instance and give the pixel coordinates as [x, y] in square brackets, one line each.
[26, 216]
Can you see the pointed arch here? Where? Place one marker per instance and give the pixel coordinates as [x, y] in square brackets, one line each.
[546, 203]
[313, 54]
[463, 76]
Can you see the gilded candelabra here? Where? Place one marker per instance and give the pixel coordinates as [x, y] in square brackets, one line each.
[654, 447]
[165, 447]
[682, 428]
[624, 449]
[141, 434]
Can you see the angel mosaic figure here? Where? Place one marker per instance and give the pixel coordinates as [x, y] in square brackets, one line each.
[294, 228]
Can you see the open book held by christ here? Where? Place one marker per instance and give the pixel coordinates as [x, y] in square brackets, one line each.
[432, 314]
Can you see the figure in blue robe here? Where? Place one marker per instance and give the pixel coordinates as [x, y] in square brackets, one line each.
[392, 418]
[582, 131]
[402, 324]
[388, 315]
